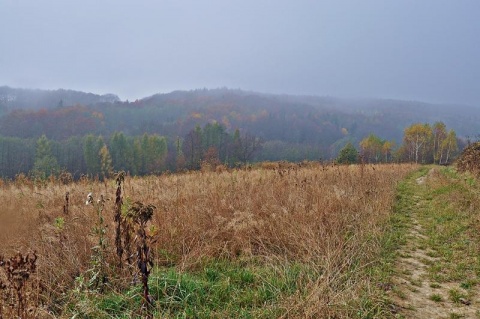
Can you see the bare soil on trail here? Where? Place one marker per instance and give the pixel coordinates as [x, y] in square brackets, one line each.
[415, 294]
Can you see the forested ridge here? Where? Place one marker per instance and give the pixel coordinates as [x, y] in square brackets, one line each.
[184, 129]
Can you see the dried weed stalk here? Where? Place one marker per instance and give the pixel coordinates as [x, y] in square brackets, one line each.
[140, 215]
[98, 272]
[67, 203]
[20, 289]
[119, 179]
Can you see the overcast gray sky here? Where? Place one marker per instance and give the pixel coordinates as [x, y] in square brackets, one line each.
[425, 50]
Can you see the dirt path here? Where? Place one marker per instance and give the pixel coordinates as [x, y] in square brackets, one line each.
[415, 293]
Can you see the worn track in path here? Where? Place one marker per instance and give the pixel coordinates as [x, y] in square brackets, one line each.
[416, 294]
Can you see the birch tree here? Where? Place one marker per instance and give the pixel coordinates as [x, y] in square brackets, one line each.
[416, 140]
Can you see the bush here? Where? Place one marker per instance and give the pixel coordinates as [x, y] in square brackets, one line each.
[469, 160]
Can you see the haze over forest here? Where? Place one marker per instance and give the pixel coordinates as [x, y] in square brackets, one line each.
[302, 78]
[219, 125]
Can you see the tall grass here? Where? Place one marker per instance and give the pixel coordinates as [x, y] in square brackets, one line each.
[327, 219]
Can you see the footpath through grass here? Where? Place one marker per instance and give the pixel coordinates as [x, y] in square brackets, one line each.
[431, 263]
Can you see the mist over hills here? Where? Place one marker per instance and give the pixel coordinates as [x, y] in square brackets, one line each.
[307, 126]
[17, 98]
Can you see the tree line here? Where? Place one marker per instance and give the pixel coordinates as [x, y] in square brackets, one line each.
[96, 156]
[212, 145]
[422, 143]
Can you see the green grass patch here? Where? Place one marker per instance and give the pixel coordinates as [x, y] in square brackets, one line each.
[219, 289]
[455, 295]
[469, 284]
[436, 298]
[448, 220]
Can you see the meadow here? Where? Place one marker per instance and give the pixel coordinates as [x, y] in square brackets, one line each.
[276, 240]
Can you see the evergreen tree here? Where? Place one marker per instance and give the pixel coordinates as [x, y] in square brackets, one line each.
[121, 152]
[180, 161]
[348, 155]
[138, 158]
[91, 151]
[70, 155]
[45, 163]
[214, 135]
[16, 156]
[158, 152]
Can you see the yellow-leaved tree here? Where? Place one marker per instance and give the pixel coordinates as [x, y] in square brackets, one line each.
[439, 135]
[448, 147]
[374, 149]
[417, 140]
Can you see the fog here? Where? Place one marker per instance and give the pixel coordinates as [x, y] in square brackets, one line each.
[415, 50]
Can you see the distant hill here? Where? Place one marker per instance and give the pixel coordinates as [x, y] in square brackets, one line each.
[308, 118]
[12, 98]
[308, 126]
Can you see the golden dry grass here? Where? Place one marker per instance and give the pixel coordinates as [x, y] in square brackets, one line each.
[327, 217]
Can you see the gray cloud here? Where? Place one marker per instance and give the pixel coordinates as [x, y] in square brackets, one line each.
[425, 50]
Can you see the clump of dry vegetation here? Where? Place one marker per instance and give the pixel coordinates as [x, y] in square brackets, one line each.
[324, 221]
[469, 160]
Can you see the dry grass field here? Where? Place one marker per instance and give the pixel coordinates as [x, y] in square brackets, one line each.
[278, 240]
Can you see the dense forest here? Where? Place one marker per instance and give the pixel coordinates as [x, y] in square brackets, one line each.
[42, 132]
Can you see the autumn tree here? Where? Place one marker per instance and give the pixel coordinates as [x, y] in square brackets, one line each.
[192, 148]
[387, 149]
[106, 167]
[211, 157]
[245, 146]
[416, 141]
[439, 132]
[448, 147]
[372, 148]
